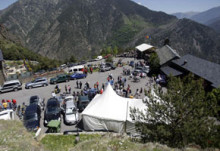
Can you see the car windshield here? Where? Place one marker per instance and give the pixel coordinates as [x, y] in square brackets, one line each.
[70, 111]
[52, 110]
[52, 107]
[30, 117]
[34, 99]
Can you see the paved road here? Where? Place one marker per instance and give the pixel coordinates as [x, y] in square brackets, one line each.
[45, 92]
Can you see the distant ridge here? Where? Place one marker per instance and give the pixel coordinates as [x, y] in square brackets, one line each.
[60, 29]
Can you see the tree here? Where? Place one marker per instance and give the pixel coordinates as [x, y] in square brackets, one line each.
[115, 50]
[72, 59]
[180, 116]
[154, 62]
[166, 42]
[108, 50]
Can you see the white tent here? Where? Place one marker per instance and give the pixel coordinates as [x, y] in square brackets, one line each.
[110, 112]
[143, 47]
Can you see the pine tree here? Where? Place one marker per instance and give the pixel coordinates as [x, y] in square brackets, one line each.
[179, 116]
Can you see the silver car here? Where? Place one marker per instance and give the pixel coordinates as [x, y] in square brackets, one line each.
[12, 85]
[71, 115]
[38, 82]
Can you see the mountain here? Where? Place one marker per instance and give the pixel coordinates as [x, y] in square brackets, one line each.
[207, 16]
[81, 28]
[188, 15]
[210, 17]
[215, 25]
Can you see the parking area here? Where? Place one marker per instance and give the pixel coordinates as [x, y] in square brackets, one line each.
[101, 77]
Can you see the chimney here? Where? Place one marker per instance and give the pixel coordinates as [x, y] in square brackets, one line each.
[185, 62]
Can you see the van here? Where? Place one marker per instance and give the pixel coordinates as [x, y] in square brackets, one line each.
[13, 85]
[32, 117]
[76, 69]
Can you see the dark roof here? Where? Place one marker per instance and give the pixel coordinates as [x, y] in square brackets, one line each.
[170, 71]
[205, 69]
[166, 53]
[1, 56]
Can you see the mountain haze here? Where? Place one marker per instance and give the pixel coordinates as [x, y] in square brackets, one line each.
[185, 15]
[60, 29]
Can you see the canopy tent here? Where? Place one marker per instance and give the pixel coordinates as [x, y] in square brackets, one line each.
[143, 47]
[110, 112]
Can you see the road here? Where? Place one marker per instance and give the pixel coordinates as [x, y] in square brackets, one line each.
[45, 92]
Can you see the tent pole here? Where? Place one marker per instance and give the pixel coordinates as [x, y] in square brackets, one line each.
[126, 118]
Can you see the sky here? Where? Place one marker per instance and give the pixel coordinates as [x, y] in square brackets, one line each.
[173, 6]
[168, 6]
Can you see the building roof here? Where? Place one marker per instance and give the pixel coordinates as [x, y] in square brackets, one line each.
[143, 47]
[170, 71]
[166, 53]
[205, 69]
[1, 56]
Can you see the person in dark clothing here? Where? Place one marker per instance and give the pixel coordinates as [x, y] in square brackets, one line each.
[80, 85]
[103, 86]
[77, 84]
[141, 90]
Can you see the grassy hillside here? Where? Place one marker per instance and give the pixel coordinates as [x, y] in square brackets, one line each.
[14, 137]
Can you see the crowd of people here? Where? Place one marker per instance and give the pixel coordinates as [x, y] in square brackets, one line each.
[8, 104]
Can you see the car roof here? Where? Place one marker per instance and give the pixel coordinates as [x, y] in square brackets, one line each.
[32, 108]
[34, 97]
[12, 81]
[84, 98]
[70, 104]
[41, 78]
[52, 101]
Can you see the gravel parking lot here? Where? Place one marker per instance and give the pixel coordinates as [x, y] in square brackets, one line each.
[101, 77]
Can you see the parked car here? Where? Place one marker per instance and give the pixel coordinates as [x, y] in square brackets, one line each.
[91, 93]
[12, 85]
[36, 100]
[32, 117]
[98, 58]
[145, 69]
[82, 62]
[110, 65]
[71, 115]
[60, 78]
[82, 102]
[131, 63]
[38, 82]
[104, 68]
[78, 76]
[52, 111]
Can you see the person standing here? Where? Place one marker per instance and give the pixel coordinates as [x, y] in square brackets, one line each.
[65, 88]
[77, 84]
[103, 86]
[97, 84]
[80, 84]
[69, 89]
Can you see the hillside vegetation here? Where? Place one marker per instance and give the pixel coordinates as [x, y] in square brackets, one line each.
[82, 28]
[13, 136]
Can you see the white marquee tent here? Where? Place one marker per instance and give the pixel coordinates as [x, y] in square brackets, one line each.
[110, 112]
[143, 47]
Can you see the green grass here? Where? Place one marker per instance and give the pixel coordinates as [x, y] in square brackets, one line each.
[14, 137]
[64, 142]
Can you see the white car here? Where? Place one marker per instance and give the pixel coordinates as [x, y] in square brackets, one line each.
[71, 115]
[99, 58]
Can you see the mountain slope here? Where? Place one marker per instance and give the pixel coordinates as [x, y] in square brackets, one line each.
[82, 28]
[185, 15]
[207, 16]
